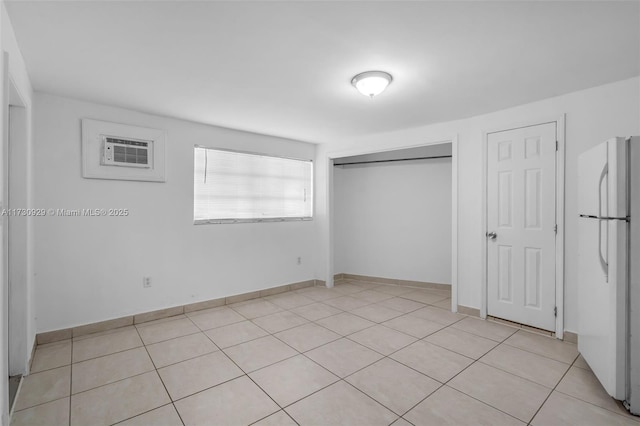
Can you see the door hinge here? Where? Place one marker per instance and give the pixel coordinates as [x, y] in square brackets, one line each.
[555, 229]
[555, 311]
[557, 145]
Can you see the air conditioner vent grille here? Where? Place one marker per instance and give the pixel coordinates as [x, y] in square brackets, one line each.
[127, 152]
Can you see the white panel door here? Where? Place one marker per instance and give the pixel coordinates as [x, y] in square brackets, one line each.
[521, 206]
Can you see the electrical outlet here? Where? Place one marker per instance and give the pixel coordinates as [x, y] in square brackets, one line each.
[299, 261]
[146, 282]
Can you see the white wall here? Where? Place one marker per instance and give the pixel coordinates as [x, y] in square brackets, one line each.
[73, 256]
[393, 220]
[23, 328]
[592, 116]
[90, 269]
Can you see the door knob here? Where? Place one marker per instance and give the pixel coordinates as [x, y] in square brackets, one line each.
[492, 235]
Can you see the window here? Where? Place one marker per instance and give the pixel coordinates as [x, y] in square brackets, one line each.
[232, 186]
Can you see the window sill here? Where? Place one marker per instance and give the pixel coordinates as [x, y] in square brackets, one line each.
[231, 221]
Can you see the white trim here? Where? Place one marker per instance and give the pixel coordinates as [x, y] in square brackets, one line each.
[363, 151]
[483, 229]
[560, 172]
[256, 220]
[330, 156]
[329, 201]
[4, 254]
[258, 154]
[454, 224]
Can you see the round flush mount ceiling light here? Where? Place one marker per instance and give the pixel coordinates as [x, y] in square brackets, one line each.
[371, 83]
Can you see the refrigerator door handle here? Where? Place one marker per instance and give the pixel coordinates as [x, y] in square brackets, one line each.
[603, 174]
[603, 263]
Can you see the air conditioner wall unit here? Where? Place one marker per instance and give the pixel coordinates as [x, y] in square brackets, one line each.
[122, 152]
[127, 152]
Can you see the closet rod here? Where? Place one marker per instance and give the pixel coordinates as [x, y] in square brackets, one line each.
[391, 161]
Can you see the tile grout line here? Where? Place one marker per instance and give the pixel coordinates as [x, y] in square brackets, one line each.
[190, 357]
[633, 417]
[283, 408]
[403, 364]
[273, 414]
[484, 337]
[375, 323]
[380, 353]
[304, 354]
[470, 396]
[175, 337]
[531, 352]
[40, 404]
[552, 390]
[458, 353]
[161, 381]
[48, 369]
[245, 374]
[284, 329]
[454, 376]
[268, 334]
[246, 319]
[226, 325]
[369, 303]
[340, 334]
[485, 403]
[383, 357]
[496, 408]
[105, 355]
[393, 360]
[146, 412]
[516, 375]
[318, 319]
[311, 349]
[306, 304]
[375, 362]
[13, 409]
[375, 400]
[115, 381]
[235, 344]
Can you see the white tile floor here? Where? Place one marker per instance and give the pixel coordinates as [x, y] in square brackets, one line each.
[357, 354]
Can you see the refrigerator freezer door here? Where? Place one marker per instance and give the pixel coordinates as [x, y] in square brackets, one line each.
[602, 177]
[602, 296]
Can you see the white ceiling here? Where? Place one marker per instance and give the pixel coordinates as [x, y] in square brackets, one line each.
[284, 68]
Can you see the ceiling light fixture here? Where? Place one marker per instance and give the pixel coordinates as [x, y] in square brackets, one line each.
[371, 83]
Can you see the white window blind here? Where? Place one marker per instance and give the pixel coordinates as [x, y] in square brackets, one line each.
[240, 187]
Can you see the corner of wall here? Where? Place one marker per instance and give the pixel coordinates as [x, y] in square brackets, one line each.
[20, 84]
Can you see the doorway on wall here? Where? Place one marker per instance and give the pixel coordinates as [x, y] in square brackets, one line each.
[382, 221]
[15, 257]
[523, 225]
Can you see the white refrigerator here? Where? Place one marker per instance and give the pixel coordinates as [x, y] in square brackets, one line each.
[609, 266]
